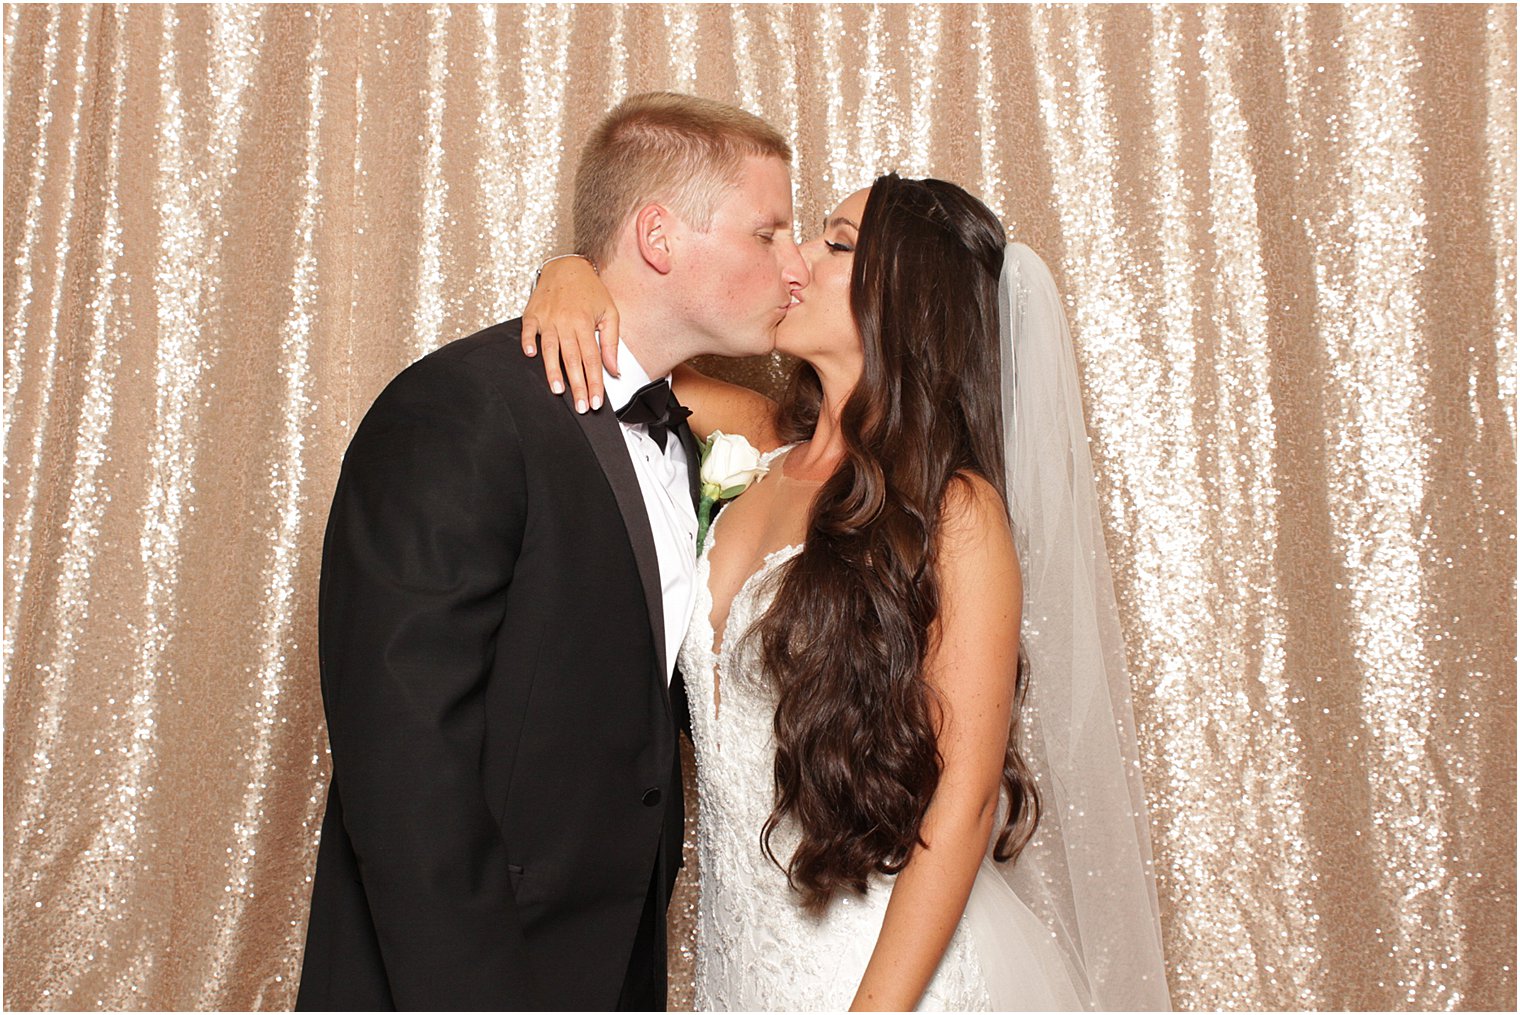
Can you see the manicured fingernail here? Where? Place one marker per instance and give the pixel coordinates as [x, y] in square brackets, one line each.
[557, 387]
[530, 350]
[596, 401]
[580, 405]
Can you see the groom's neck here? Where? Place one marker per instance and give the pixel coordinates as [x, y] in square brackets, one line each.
[648, 328]
[640, 339]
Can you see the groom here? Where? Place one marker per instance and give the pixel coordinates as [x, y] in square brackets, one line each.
[504, 822]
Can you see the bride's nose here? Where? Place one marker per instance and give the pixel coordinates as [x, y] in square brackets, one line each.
[800, 273]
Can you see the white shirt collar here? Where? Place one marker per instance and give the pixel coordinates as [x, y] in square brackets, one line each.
[620, 390]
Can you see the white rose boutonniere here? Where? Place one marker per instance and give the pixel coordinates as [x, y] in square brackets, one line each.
[729, 465]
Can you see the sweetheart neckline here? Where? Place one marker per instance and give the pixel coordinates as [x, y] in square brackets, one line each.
[717, 642]
[715, 655]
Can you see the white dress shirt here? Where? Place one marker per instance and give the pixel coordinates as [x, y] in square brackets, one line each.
[664, 480]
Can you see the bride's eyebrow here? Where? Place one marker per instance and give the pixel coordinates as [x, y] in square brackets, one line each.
[840, 220]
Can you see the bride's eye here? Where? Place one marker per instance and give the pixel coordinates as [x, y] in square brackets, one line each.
[838, 248]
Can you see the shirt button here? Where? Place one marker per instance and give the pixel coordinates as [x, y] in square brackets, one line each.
[651, 797]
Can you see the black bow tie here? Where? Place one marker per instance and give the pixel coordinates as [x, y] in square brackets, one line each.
[655, 406]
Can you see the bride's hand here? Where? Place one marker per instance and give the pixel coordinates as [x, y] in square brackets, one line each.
[567, 308]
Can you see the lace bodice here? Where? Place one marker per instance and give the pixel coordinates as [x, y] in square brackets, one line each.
[758, 949]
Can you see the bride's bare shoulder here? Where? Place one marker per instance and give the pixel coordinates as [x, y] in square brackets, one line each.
[973, 515]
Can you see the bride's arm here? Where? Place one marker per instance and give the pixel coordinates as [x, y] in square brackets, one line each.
[568, 308]
[732, 408]
[972, 667]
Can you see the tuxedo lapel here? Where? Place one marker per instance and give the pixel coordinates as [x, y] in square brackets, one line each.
[694, 460]
[606, 438]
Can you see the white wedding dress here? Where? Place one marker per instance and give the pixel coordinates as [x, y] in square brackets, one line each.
[758, 948]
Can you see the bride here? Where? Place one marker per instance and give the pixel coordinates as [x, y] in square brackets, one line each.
[904, 804]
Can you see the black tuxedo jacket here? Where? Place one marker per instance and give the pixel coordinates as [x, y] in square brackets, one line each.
[506, 781]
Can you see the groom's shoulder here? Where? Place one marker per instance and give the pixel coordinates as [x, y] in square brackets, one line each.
[495, 350]
[480, 384]
[490, 359]
[475, 376]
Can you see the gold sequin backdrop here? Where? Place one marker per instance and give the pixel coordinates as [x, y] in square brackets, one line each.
[1287, 238]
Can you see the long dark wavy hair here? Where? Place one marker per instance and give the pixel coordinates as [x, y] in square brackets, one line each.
[847, 636]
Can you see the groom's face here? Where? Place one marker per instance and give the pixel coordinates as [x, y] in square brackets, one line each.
[741, 272]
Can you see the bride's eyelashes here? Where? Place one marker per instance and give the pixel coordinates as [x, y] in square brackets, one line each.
[839, 248]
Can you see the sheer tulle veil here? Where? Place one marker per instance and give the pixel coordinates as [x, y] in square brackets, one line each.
[1088, 874]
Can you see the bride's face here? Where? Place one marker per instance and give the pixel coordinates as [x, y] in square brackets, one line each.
[819, 327]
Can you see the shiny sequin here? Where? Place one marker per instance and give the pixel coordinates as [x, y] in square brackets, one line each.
[991, 189]
[1286, 236]
[31, 270]
[282, 627]
[1499, 140]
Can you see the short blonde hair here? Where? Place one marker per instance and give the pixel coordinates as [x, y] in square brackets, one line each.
[663, 146]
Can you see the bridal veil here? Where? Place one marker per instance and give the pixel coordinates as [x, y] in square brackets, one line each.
[1087, 874]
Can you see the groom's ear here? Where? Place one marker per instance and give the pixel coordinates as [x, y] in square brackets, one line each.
[651, 230]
